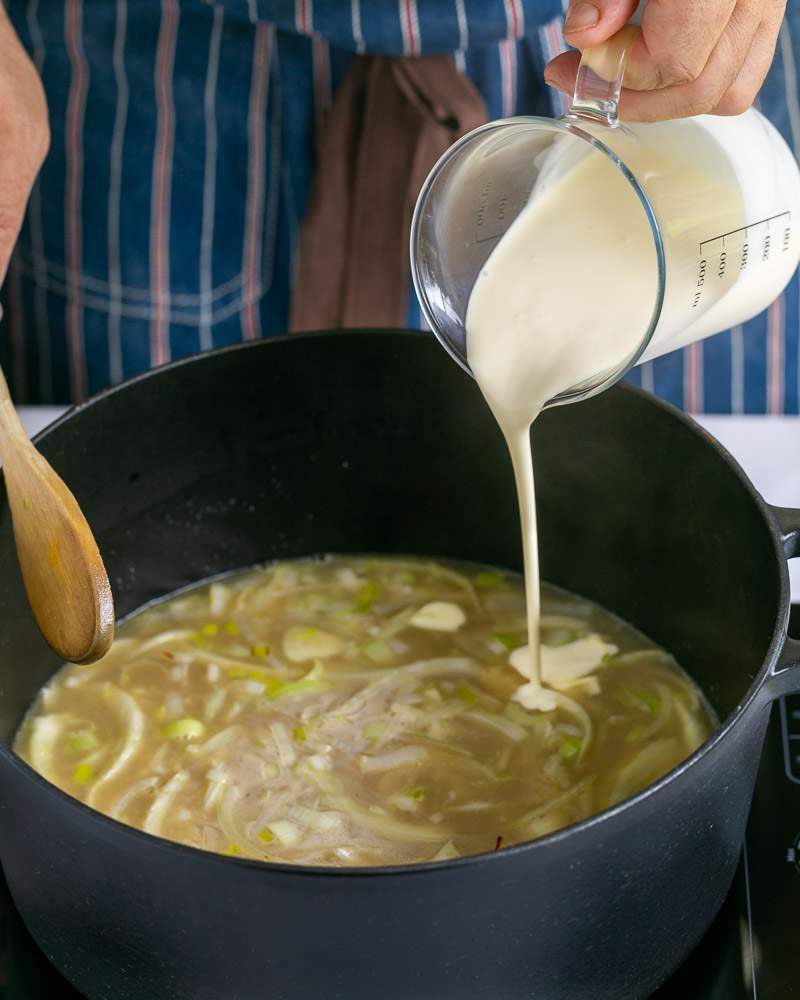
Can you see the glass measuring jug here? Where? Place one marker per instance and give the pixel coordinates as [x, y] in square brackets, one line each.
[677, 230]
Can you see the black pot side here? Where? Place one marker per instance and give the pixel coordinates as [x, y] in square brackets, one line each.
[374, 441]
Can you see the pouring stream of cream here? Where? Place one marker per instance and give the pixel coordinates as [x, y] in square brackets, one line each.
[567, 294]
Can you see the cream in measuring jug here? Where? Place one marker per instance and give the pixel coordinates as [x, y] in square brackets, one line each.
[551, 256]
[567, 294]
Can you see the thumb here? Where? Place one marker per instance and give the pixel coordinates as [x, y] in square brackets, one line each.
[589, 22]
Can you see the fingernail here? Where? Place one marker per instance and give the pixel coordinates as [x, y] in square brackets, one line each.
[581, 16]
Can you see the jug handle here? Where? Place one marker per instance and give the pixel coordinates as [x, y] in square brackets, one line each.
[599, 80]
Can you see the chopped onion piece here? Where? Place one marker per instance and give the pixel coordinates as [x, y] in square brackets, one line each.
[439, 616]
[219, 740]
[117, 809]
[320, 762]
[217, 783]
[83, 774]
[394, 758]
[158, 810]
[214, 704]
[83, 739]
[173, 704]
[647, 765]
[287, 832]
[45, 732]
[251, 687]
[348, 578]
[387, 826]
[218, 597]
[378, 650]
[184, 729]
[283, 744]
[134, 727]
[501, 723]
[692, 731]
[302, 642]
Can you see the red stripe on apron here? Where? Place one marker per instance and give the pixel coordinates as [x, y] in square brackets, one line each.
[256, 122]
[409, 23]
[303, 16]
[162, 185]
[775, 355]
[693, 378]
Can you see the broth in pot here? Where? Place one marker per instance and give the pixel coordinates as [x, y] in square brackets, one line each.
[362, 711]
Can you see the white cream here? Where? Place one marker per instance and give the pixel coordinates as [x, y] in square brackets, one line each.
[567, 296]
[562, 668]
[539, 322]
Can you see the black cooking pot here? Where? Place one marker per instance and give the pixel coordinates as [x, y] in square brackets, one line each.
[374, 441]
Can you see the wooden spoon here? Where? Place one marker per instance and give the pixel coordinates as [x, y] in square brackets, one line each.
[65, 579]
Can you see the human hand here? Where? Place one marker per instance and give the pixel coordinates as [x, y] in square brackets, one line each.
[24, 135]
[692, 57]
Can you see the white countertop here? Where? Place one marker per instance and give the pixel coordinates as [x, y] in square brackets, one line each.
[767, 448]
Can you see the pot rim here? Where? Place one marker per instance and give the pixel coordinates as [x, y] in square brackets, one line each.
[754, 693]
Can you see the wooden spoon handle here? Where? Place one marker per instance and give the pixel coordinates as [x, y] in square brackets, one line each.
[11, 428]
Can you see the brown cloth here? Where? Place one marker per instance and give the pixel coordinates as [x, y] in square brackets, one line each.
[391, 120]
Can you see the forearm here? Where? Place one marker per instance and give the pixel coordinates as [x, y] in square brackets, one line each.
[24, 135]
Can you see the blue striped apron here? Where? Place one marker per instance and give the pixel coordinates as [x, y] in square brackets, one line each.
[166, 216]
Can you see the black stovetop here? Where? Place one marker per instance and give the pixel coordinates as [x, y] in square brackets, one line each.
[751, 952]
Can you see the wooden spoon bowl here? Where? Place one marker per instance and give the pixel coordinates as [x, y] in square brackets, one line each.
[63, 572]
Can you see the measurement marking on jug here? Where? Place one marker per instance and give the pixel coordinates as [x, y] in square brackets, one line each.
[745, 252]
[751, 225]
[733, 258]
[701, 280]
[491, 214]
[480, 215]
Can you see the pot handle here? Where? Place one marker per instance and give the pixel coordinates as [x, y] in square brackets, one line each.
[785, 677]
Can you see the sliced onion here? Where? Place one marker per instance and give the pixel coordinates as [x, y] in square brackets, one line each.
[158, 810]
[404, 756]
[133, 721]
[500, 723]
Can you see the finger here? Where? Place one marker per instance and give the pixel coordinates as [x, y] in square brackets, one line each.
[677, 40]
[741, 94]
[675, 51]
[589, 22]
[702, 95]
[561, 71]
